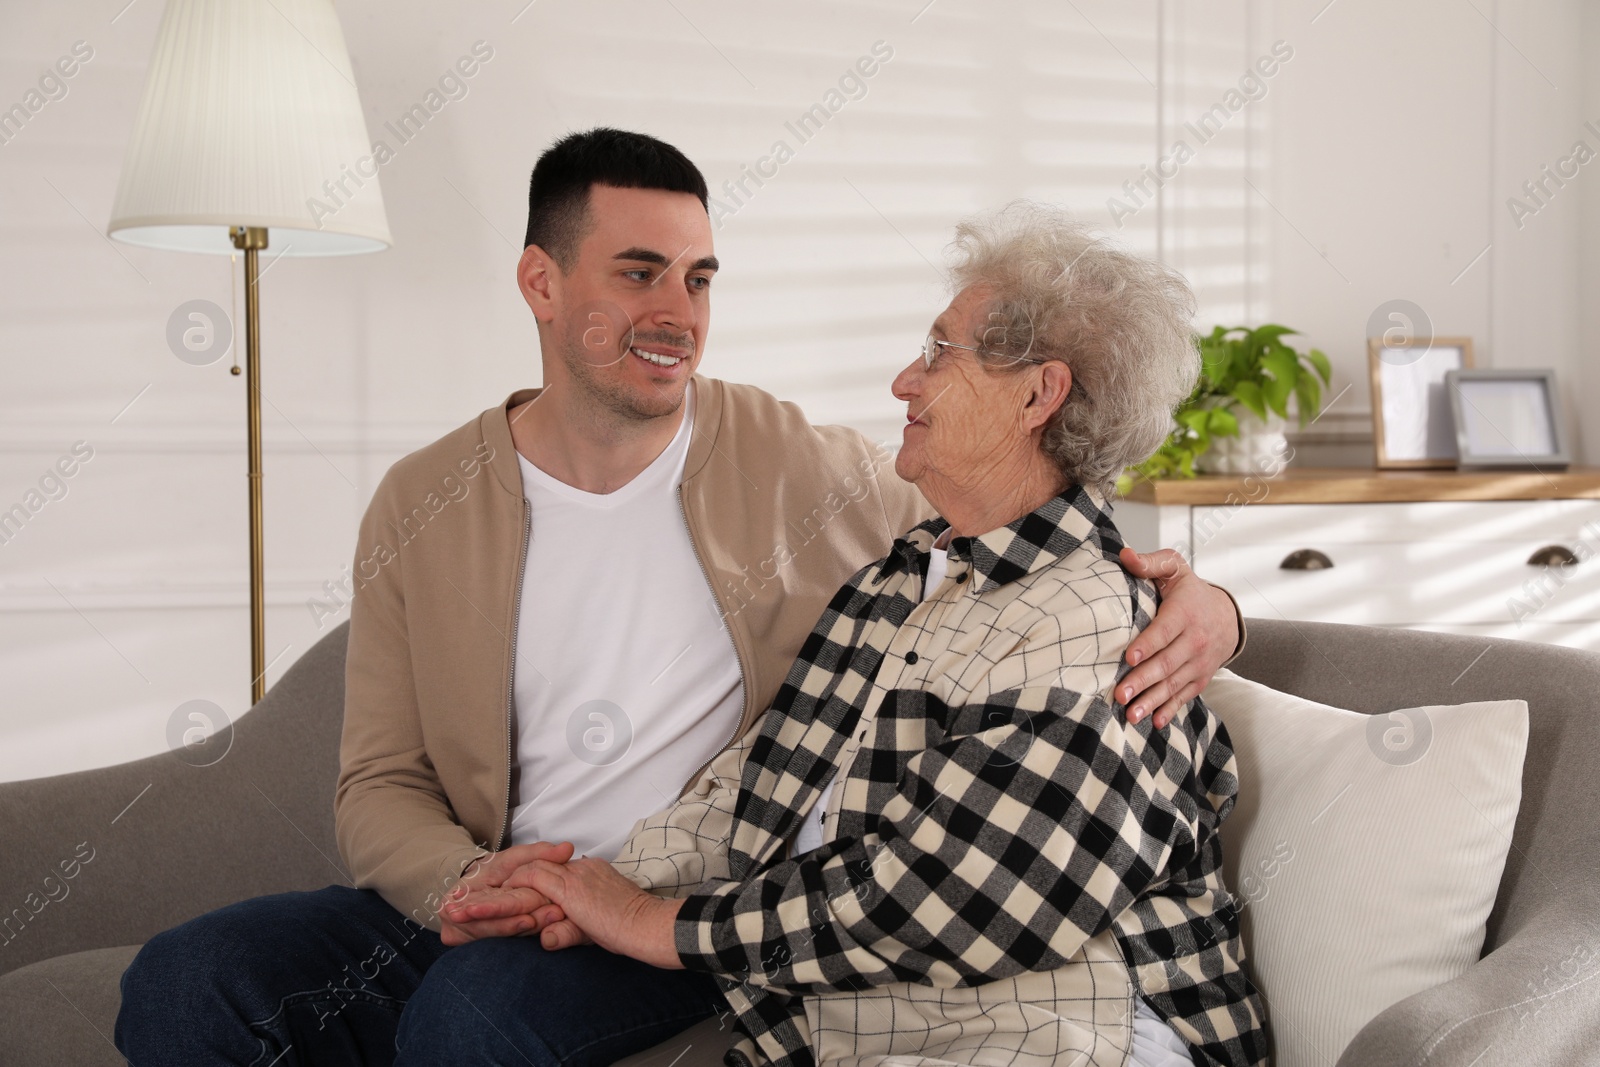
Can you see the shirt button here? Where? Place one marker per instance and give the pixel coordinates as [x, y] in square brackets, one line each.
[911, 658]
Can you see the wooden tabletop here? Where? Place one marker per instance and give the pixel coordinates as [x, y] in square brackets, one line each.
[1365, 485]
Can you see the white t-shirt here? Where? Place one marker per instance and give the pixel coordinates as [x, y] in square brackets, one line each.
[1155, 1044]
[625, 680]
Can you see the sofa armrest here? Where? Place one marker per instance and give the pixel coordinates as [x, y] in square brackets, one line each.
[113, 855]
[1534, 1001]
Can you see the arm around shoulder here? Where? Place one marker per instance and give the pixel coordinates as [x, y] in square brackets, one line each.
[1238, 648]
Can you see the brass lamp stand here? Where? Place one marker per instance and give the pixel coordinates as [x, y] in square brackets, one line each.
[251, 240]
[249, 110]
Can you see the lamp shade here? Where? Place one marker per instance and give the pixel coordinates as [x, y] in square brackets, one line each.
[250, 117]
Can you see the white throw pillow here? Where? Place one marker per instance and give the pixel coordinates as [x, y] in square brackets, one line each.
[1365, 851]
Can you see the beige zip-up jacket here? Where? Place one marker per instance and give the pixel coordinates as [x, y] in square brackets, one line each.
[780, 513]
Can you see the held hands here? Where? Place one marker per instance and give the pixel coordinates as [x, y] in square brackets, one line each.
[482, 905]
[540, 889]
[1194, 632]
[595, 904]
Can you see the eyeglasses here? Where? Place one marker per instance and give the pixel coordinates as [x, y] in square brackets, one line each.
[932, 345]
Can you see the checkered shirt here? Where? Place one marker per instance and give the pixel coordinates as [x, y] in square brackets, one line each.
[1007, 862]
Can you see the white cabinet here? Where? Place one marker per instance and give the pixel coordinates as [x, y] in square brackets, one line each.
[1469, 566]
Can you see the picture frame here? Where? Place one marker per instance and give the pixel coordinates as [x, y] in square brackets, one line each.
[1413, 426]
[1508, 418]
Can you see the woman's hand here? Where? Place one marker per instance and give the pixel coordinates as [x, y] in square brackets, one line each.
[1194, 633]
[602, 906]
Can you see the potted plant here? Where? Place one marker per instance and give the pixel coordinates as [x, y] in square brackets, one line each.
[1234, 422]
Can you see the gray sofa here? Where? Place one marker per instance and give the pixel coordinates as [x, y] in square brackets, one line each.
[170, 841]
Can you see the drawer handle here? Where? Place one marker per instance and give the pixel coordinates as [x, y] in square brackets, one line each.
[1306, 559]
[1553, 556]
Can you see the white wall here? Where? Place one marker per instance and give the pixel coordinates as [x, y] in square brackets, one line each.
[1387, 144]
[1585, 389]
[1398, 142]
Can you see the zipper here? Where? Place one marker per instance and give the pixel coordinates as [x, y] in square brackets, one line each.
[744, 674]
[511, 672]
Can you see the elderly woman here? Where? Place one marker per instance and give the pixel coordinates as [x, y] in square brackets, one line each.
[945, 840]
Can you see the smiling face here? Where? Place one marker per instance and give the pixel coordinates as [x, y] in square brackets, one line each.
[954, 420]
[627, 324]
[973, 431]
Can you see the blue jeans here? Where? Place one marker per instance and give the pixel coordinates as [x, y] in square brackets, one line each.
[338, 976]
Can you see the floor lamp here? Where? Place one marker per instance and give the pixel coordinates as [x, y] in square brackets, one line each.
[250, 126]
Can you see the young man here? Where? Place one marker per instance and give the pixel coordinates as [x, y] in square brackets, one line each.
[565, 609]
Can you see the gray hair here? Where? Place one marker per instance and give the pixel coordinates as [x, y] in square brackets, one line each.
[1120, 321]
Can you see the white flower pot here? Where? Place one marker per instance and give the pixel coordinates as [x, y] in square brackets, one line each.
[1261, 447]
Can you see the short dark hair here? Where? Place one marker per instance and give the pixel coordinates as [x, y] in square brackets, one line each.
[558, 192]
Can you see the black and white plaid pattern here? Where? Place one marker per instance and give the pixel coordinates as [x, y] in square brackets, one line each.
[1006, 863]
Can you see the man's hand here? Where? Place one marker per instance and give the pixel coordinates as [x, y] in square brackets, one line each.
[603, 906]
[1194, 632]
[478, 907]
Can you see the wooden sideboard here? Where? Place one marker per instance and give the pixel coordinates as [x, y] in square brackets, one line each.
[1493, 553]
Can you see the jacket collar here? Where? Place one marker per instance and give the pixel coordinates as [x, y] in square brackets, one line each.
[496, 428]
[1074, 517]
[707, 422]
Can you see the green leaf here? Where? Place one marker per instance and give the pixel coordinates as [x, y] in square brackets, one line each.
[1269, 332]
[1214, 360]
[1223, 423]
[1284, 366]
[1276, 395]
[1308, 398]
[1320, 361]
[1242, 361]
[1281, 360]
[1249, 394]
